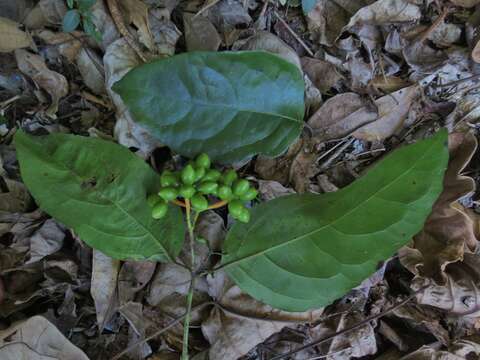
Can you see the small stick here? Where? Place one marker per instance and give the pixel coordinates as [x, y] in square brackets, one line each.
[290, 30]
[122, 29]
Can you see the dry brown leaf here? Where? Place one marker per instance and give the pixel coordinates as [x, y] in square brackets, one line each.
[133, 277]
[136, 12]
[340, 115]
[46, 240]
[388, 84]
[200, 34]
[385, 12]
[37, 339]
[12, 37]
[476, 52]
[52, 82]
[118, 60]
[104, 285]
[104, 23]
[90, 66]
[241, 322]
[448, 231]
[67, 45]
[465, 3]
[16, 198]
[270, 190]
[393, 112]
[323, 74]
[468, 348]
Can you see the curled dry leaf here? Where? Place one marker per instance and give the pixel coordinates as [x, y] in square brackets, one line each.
[119, 59]
[46, 240]
[104, 285]
[12, 37]
[467, 348]
[240, 323]
[52, 82]
[91, 68]
[133, 277]
[136, 12]
[37, 339]
[323, 74]
[67, 45]
[443, 253]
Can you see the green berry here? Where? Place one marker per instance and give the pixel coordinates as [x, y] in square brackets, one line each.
[159, 210]
[199, 202]
[168, 193]
[240, 187]
[188, 175]
[212, 175]
[168, 180]
[229, 177]
[235, 208]
[199, 173]
[187, 191]
[244, 215]
[249, 195]
[225, 192]
[208, 187]
[203, 161]
[153, 199]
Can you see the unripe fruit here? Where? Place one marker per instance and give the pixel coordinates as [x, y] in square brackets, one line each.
[153, 199]
[199, 173]
[229, 177]
[203, 161]
[208, 187]
[240, 187]
[159, 210]
[235, 208]
[199, 202]
[225, 193]
[244, 215]
[212, 175]
[168, 180]
[187, 191]
[249, 195]
[168, 193]
[188, 175]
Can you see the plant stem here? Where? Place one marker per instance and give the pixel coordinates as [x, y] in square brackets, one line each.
[191, 235]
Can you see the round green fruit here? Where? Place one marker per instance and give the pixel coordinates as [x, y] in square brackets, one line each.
[208, 187]
[249, 195]
[153, 199]
[203, 161]
[159, 210]
[240, 187]
[168, 180]
[199, 173]
[188, 175]
[229, 177]
[212, 175]
[225, 193]
[199, 202]
[168, 193]
[244, 215]
[235, 208]
[187, 191]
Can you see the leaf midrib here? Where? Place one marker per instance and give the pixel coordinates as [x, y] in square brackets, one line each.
[51, 164]
[221, 105]
[245, 258]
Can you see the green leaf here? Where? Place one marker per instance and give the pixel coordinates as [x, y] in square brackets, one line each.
[70, 4]
[85, 5]
[71, 20]
[308, 5]
[304, 251]
[99, 189]
[90, 29]
[230, 105]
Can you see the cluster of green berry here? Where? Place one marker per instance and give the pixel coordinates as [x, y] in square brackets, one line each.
[198, 180]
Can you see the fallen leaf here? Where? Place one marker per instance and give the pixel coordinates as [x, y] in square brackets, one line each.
[136, 13]
[118, 60]
[341, 115]
[67, 45]
[16, 198]
[385, 12]
[12, 37]
[133, 277]
[468, 348]
[104, 23]
[104, 285]
[393, 112]
[15, 10]
[323, 74]
[239, 323]
[165, 33]
[37, 339]
[52, 82]
[91, 68]
[46, 240]
[270, 190]
[465, 3]
[226, 15]
[200, 34]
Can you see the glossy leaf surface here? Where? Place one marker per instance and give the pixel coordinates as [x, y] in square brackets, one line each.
[230, 105]
[304, 251]
[99, 189]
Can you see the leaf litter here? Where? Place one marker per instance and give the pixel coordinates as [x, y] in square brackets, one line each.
[378, 74]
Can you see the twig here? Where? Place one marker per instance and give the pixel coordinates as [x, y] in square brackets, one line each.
[122, 29]
[161, 331]
[294, 34]
[354, 327]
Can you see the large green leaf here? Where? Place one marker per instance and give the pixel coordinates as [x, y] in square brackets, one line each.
[99, 189]
[304, 251]
[231, 105]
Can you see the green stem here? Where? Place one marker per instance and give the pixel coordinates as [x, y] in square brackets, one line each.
[191, 235]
